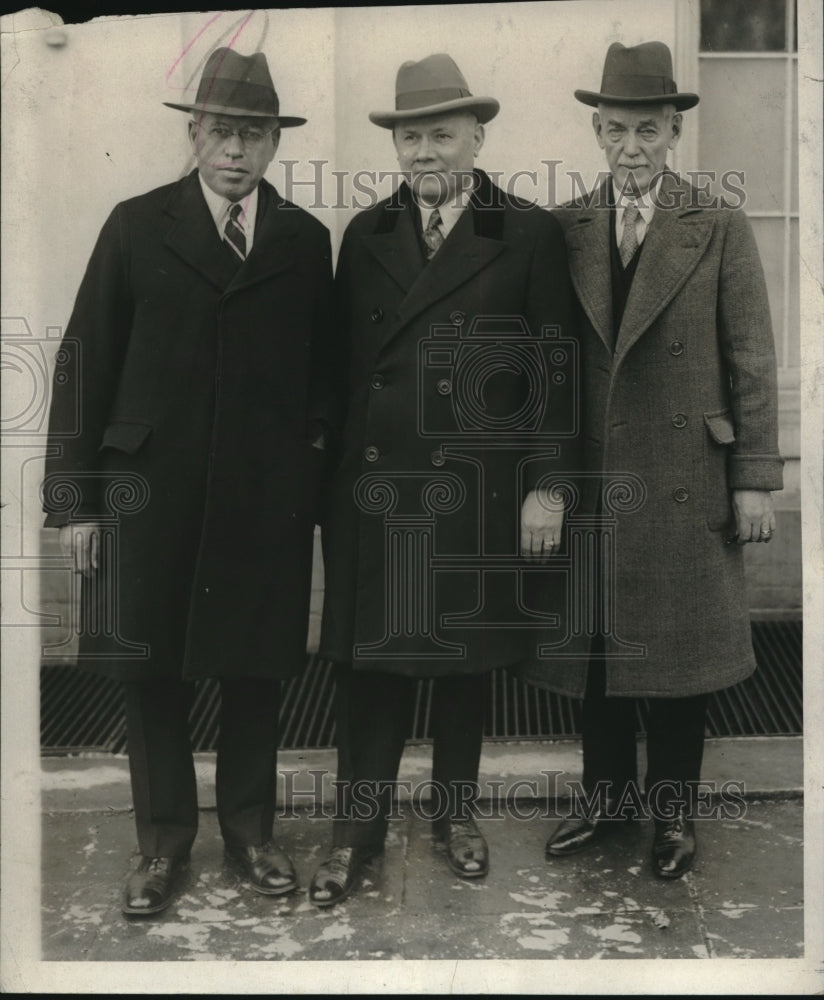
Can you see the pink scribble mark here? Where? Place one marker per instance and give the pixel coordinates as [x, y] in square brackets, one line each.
[183, 53]
[242, 26]
[231, 44]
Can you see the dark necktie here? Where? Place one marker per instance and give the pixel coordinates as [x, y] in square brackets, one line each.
[629, 241]
[233, 234]
[432, 236]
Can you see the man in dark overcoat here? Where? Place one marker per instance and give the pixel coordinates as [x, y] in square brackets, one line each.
[188, 495]
[453, 299]
[680, 425]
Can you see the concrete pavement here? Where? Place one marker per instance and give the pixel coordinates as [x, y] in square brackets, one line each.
[743, 899]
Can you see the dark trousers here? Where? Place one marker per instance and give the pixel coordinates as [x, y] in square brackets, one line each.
[675, 743]
[164, 791]
[374, 714]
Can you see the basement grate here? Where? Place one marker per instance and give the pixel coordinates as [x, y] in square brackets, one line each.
[83, 712]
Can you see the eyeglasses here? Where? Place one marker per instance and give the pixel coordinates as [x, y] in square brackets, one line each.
[248, 136]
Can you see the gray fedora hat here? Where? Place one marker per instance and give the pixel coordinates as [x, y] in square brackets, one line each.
[233, 84]
[640, 74]
[433, 86]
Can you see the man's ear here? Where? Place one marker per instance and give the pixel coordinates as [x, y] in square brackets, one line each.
[275, 141]
[677, 128]
[479, 137]
[596, 128]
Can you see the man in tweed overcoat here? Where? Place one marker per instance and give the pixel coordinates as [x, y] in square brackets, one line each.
[680, 423]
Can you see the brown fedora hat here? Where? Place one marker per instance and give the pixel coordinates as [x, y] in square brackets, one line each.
[433, 86]
[640, 74]
[233, 84]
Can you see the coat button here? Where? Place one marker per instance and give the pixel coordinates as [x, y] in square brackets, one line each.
[438, 458]
[444, 386]
[377, 315]
[377, 381]
[679, 420]
[457, 317]
[681, 495]
[371, 454]
[676, 348]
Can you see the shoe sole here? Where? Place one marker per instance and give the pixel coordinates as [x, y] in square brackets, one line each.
[261, 890]
[567, 851]
[147, 911]
[324, 904]
[462, 874]
[441, 839]
[605, 831]
[676, 874]
[144, 911]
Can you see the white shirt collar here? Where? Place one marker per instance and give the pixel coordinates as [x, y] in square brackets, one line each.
[219, 207]
[451, 210]
[645, 203]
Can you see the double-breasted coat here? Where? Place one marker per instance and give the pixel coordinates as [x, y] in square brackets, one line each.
[680, 408]
[198, 385]
[461, 395]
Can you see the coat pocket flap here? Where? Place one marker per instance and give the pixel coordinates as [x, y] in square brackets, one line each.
[125, 436]
[720, 426]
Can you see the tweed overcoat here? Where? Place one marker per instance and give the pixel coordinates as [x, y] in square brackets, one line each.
[461, 395]
[682, 411]
[197, 384]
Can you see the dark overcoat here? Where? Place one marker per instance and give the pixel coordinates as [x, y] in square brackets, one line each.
[198, 386]
[461, 396]
[679, 412]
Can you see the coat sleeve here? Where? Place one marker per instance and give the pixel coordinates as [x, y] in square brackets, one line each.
[550, 304]
[83, 391]
[748, 348]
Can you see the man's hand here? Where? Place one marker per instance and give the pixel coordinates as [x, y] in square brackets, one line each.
[754, 516]
[542, 517]
[82, 543]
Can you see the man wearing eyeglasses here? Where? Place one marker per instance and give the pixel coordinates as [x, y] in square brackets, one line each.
[203, 376]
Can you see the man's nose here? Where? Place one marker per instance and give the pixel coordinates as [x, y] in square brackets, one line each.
[233, 145]
[631, 144]
[424, 150]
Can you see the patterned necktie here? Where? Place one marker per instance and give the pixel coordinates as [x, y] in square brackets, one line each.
[432, 236]
[233, 234]
[629, 241]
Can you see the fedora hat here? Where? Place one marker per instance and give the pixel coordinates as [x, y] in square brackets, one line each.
[640, 74]
[433, 86]
[233, 84]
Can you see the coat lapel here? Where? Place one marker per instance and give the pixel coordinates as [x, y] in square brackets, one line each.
[462, 255]
[394, 244]
[193, 236]
[475, 241]
[588, 248]
[675, 242]
[273, 250]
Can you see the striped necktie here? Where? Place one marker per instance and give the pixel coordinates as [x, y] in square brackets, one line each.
[432, 236]
[233, 233]
[629, 240]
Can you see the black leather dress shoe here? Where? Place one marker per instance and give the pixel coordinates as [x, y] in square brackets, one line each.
[267, 869]
[673, 847]
[577, 833]
[466, 848]
[337, 875]
[150, 887]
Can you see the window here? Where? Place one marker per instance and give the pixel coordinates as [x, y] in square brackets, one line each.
[747, 71]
